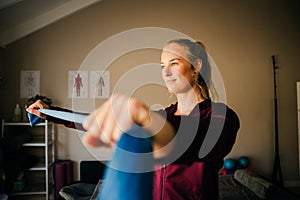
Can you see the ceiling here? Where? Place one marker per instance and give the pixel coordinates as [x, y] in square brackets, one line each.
[19, 18]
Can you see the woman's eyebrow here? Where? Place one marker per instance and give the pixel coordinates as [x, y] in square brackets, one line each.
[173, 59]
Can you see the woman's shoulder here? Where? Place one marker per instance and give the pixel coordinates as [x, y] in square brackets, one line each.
[222, 109]
[209, 107]
[170, 110]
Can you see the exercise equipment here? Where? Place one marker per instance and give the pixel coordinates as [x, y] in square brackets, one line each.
[243, 162]
[230, 164]
[277, 174]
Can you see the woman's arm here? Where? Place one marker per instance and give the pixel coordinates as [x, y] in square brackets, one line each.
[118, 114]
[33, 109]
[106, 124]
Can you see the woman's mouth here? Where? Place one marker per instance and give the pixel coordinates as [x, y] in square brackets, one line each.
[171, 81]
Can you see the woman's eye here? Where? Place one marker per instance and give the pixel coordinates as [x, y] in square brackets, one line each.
[174, 63]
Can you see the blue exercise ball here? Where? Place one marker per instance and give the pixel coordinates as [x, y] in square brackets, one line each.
[244, 162]
[229, 164]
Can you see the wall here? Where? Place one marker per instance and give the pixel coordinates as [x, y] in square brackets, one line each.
[1, 79]
[241, 37]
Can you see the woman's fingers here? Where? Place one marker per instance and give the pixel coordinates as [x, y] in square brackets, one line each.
[121, 113]
[97, 123]
[36, 112]
[33, 108]
[38, 104]
[140, 113]
[111, 119]
[92, 141]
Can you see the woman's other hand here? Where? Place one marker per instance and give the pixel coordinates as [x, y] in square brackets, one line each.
[33, 108]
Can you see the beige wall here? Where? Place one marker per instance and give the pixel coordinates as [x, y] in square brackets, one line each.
[241, 37]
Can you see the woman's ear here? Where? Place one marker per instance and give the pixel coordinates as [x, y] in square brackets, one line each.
[198, 65]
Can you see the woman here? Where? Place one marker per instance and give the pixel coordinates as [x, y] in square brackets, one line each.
[190, 138]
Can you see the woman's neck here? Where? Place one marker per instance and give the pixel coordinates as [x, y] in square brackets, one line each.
[187, 102]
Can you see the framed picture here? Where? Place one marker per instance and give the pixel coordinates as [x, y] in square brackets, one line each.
[78, 84]
[99, 84]
[29, 83]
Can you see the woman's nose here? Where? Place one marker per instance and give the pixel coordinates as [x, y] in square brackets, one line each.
[167, 71]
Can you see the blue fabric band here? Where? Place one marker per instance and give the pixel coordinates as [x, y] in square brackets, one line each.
[129, 175]
[34, 120]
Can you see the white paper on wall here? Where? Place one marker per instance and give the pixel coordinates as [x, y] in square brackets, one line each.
[29, 83]
[78, 84]
[99, 84]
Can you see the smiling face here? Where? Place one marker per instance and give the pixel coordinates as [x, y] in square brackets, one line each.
[176, 70]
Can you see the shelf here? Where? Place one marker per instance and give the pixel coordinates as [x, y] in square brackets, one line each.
[27, 193]
[38, 179]
[38, 169]
[33, 189]
[34, 144]
[22, 124]
[38, 144]
[41, 167]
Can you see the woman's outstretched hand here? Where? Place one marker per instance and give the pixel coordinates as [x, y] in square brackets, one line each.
[119, 113]
[33, 108]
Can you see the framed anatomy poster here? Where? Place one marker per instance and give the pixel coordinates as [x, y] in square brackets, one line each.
[99, 84]
[29, 83]
[78, 84]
